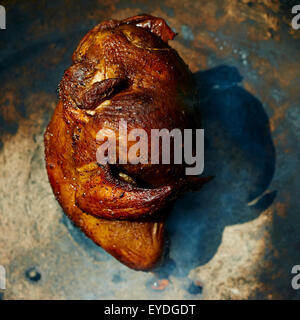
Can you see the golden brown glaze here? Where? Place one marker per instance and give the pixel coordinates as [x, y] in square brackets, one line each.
[122, 70]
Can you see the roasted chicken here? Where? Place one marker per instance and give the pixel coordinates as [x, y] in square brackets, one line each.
[121, 70]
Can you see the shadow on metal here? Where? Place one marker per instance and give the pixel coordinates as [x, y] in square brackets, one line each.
[240, 154]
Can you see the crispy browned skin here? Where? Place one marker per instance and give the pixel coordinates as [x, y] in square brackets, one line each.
[121, 70]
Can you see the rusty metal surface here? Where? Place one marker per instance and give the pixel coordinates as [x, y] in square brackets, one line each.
[236, 239]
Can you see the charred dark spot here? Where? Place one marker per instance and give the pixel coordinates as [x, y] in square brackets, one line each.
[33, 274]
[75, 137]
[195, 288]
[8, 127]
[271, 32]
[117, 278]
